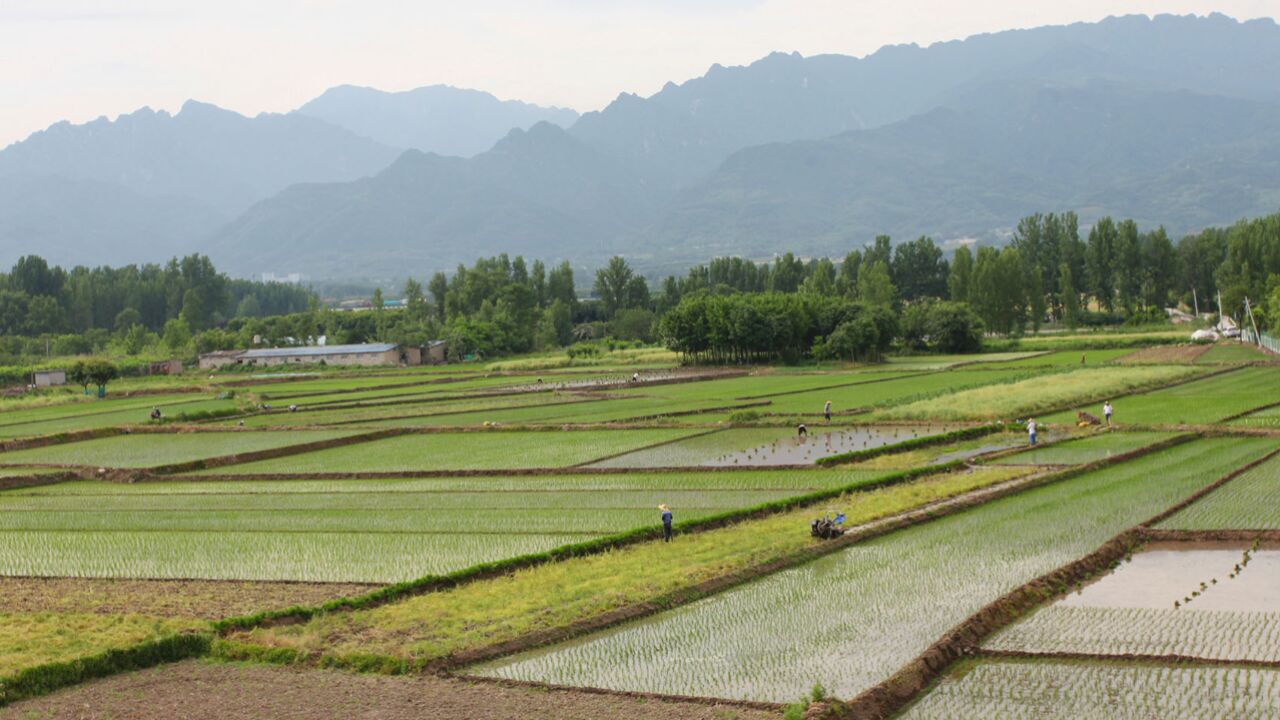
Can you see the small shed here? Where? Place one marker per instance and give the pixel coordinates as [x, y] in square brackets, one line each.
[50, 378]
[437, 352]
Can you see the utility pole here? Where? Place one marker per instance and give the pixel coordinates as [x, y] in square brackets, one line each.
[1196, 301]
[1257, 337]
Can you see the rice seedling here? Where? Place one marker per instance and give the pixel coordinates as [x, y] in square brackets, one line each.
[1055, 690]
[1247, 502]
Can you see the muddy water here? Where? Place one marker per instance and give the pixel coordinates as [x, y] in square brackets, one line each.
[1158, 577]
[821, 443]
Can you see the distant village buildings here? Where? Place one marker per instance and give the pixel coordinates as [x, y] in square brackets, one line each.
[367, 354]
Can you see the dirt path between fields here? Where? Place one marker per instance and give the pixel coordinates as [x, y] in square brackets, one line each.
[196, 690]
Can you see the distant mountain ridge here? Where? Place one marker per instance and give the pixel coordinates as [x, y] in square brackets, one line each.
[1165, 119]
[434, 119]
[724, 163]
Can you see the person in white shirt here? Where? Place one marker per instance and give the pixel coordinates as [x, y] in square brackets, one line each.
[1106, 412]
[1031, 430]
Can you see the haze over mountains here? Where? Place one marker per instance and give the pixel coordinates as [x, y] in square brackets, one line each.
[1173, 120]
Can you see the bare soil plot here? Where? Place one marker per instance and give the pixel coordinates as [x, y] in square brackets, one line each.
[195, 690]
[1165, 355]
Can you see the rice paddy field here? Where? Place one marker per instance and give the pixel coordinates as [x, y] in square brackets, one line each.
[1200, 402]
[1047, 689]
[503, 523]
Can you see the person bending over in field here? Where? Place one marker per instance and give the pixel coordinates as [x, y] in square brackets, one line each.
[802, 431]
[666, 523]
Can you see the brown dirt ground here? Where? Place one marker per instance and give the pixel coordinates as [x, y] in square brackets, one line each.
[196, 690]
[1172, 354]
[203, 599]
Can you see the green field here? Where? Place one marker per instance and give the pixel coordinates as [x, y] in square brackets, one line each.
[1086, 450]
[1199, 402]
[477, 450]
[1233, 353]
[888, 392]
[145, 450]
[102, 414]
[358, 530]
[1037, 394]
[1061, 690]
[897, 594]
[1247, 502]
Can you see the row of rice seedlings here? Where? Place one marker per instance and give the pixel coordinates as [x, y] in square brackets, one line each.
[907, 388]
[1235, 573]
[534, 519]
[1247, 502]
[850, 620]
[1043, 690]
[134, 415]
[315, 557]
[1086, 450]
[458, 451]
[152, 449]
[1209, 634]
[785, 479]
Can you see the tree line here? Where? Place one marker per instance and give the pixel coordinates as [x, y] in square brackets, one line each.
[38, 299]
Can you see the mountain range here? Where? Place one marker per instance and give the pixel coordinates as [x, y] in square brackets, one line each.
[1169, 120]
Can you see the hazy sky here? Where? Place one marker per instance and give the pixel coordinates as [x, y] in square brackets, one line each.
[79, 59]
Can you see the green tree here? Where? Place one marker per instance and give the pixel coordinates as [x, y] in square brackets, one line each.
[1100, 262]
[961, 272]
[438, 286]
[415, 305]
[612, 285]
[874, 285]
[1069, 296]
[100, 372]
[177, 335]
[249, 307]
[135, 339]
[918, 269]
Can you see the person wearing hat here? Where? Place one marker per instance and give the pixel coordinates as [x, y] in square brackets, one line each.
[666, 523]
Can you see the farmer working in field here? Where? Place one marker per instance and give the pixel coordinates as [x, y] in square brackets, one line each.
[1106, 412]
[802, 431]
[826, 411]
[1031, 430]
[666, 523]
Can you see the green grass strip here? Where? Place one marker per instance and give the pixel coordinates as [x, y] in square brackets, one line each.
[44, 679]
